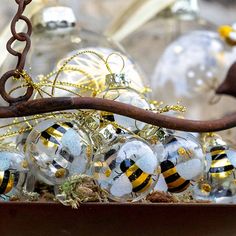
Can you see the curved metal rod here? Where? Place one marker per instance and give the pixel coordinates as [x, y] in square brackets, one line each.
[46, 105]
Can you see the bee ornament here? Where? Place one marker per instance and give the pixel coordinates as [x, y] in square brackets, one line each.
[219, 174]
[182, 162]
[13, 173]
[58, 149]
[126, 170]
[220, 160]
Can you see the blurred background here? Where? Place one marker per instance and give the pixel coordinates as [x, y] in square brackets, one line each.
[97, 14]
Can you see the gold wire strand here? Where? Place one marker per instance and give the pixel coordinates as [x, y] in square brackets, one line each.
[74, 56]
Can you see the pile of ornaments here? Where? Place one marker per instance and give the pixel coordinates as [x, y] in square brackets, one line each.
[128, 159]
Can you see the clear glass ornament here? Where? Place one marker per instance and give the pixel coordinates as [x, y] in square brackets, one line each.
[58, 149]
[182, 163]
[126, 169]
[87, 68]
[190, 70]
[128, 96]
[57, 35]
[218, 183]
[13, 173]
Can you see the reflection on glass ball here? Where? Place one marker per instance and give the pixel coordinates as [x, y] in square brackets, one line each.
[127, 170]
[182, 163]
[128, 96]
[58, 149]
[13, 173]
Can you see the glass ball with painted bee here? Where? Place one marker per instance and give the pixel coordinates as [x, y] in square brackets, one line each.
[182, 162]
[126, 168]
[57, 149]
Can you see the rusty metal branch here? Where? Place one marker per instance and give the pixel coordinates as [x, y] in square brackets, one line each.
[65, 103]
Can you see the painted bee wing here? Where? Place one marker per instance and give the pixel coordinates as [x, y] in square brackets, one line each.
[5, 160]
[161, 184]
[148, 163]
[231, 154]
[141, 154]
[71, 140]
[121, 186]
[208, 162]
[190, 169]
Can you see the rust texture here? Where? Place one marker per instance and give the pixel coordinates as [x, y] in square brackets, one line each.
[65, 103]
[21, 106]
[23, 37]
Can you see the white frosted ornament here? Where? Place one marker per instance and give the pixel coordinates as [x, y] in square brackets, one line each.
[190, 70]
[58, 149]
[127, 169]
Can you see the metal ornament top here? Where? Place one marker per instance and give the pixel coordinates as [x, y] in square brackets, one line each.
[22, 106]
[56, 19]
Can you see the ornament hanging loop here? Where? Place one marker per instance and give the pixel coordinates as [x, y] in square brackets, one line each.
[18, 72]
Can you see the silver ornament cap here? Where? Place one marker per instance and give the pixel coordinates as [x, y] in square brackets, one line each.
[54, 19]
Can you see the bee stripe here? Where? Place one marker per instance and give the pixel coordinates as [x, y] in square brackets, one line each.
[221, 175]
[56, 165]
[166, 165]
[180, 188]
[169, 172]
[110, 159]
[54, 133]
[219, 157]
[170, 139]
[220, 163]
[143, 186]
[59, 128]
[172, 179]
[133, 172]
[7, 182]
[16, 178]
[221, 169]
[217, 148]
[109, 117]
[70, 125]
[218, 152]
[109, 153]
[136, 182]
[48, 140]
